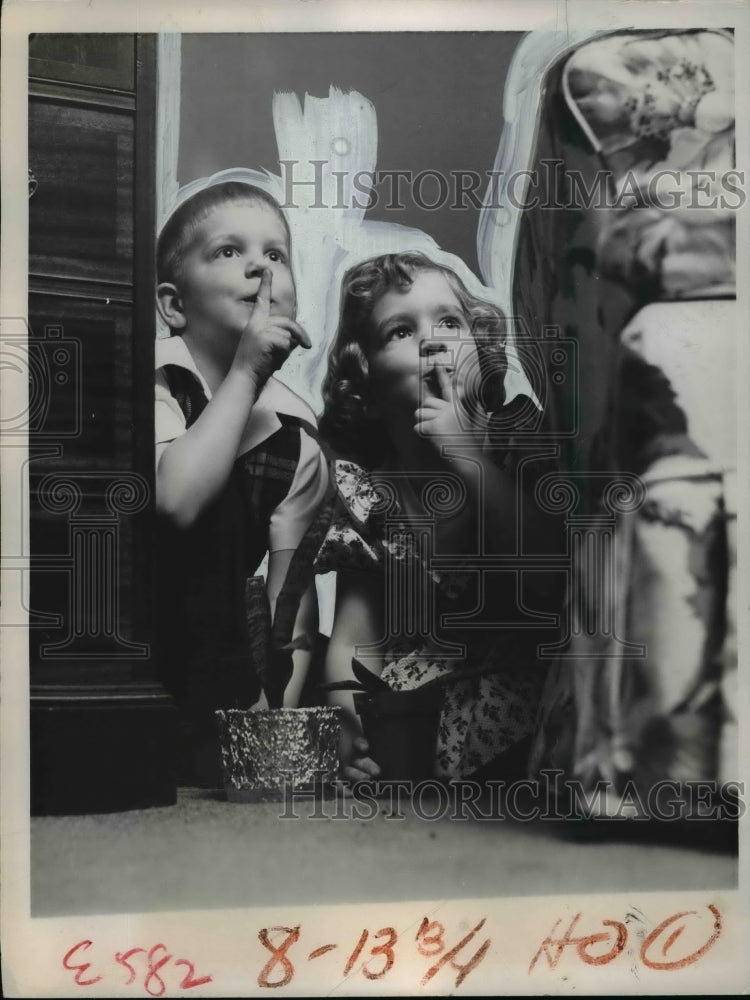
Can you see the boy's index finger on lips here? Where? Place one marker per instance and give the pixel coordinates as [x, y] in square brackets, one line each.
[264, 291]
[302, 336]
[297, 333]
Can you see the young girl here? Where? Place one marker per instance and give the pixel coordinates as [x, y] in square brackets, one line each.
[412, 372]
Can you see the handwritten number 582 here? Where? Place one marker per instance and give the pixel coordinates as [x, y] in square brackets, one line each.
[153, 983]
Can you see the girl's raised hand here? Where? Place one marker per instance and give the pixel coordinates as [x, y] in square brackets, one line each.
[444, 383]
[267, 340]
[438, 420]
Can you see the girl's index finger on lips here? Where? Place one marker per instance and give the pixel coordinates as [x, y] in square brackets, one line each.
[434, 388]
[444, 382]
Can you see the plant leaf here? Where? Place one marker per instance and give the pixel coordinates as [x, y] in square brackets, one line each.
[301, 641]
[369, 681]
[342, 686]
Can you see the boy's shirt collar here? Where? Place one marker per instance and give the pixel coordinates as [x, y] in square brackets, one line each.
[275, 397]
[174, 351]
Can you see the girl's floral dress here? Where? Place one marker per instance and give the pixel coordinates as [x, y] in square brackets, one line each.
[492, 692]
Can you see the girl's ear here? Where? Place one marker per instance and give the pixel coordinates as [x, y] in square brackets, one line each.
[170, 306]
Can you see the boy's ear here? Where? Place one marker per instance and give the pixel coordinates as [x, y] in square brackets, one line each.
[169, 304]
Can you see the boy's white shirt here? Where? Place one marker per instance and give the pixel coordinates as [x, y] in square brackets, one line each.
[292, 517]
[275, 398]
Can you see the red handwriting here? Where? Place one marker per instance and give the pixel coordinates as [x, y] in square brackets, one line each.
[615, 937]
[677, 942]
[380, 949]
[317, 952]
[278, 956]
[81, 967]
[552, 948]
[374, 953]
[145, 972]
[679, 963]
[430, 938]
[449, 957]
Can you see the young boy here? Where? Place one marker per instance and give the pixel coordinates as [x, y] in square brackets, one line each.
[239, 473]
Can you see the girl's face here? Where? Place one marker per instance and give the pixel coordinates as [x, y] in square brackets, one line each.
[412, 331]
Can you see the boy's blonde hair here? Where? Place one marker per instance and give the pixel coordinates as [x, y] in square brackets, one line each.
[174, 238]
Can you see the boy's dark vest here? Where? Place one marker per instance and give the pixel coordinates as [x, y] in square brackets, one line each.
[204, 650]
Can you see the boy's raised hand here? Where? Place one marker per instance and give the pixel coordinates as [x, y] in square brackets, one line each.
[267, 340]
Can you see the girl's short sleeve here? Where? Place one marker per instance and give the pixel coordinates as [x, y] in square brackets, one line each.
[344, 548]
[352, 542]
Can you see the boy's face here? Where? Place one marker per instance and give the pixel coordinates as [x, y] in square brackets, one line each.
[414, 330]
[223, 265]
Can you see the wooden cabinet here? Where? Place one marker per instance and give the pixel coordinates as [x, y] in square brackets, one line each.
[101, 726]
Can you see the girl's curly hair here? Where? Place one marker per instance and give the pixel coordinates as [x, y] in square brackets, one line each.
[345, 424]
